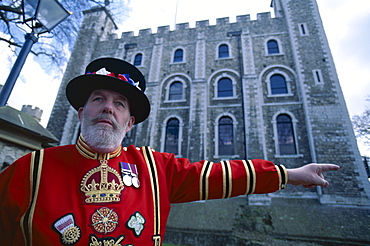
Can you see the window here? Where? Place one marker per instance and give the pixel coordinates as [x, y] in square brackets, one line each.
[318, 76]
[223, 51]
[178, 56]
[285, 133]
[303, 29]
[225, 136]
[225, 88]
[176, 91]
[278, 84]
[172, 136]
[272, 47]
[138, 59]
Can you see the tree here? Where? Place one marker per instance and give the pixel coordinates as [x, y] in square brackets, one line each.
[361, 125]
[52, 49]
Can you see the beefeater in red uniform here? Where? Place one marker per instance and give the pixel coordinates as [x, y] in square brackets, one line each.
[99, 193]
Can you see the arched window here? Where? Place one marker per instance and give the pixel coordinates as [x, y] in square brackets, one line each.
[138, 59]
[273, 47]
[172, 136]
[178, 56]
[285, 131]
[176, 91]
[225, 88]
[278, 84]
[225, 136]
[223, 51]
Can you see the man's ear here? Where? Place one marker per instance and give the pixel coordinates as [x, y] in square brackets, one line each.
[130, 123]
[80, 113]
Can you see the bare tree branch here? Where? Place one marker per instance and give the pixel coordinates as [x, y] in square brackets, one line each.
[16, 10]
[10, 42]
[361, 126]
[50, 54]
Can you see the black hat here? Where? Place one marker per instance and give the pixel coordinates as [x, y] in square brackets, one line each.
[115, 75]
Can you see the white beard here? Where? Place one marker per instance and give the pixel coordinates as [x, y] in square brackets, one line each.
[102, 138]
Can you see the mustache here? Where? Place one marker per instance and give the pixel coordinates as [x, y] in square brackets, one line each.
[105, 116]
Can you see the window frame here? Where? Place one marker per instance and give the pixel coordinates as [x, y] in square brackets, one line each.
[183, 55]
[274, 85]
[167, 88]
[317, 76]
[217, 137]
[224, 131]
[217, 47]
[294, 123]
[181, 93]
[169, 128]
[141, 61]
[180, 133]
[288, 82]
[229, 89]
[279, 46]
[223, 52]
[303, 29]
[176, 56]
[215, 86]
[273, 50]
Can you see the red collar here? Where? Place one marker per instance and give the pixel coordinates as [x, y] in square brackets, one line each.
[87, 152]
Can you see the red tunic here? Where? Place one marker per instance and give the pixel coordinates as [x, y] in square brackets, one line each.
[69, 196]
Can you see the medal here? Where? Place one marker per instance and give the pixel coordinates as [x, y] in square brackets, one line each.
[127, 180]
[70, 233]
[135, 182]
[130, 174]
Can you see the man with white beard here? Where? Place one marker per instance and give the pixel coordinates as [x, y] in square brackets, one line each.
[97, 192]
[102, 132]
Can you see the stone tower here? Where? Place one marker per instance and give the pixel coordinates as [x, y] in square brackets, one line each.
[96, 27]
[264, 88]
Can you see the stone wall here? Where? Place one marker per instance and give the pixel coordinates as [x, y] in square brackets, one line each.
[10, 152]
[291, 222]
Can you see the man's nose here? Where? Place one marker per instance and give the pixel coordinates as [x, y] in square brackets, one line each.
[108, 107]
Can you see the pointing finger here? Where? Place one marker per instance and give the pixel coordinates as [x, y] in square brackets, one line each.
[328, 167]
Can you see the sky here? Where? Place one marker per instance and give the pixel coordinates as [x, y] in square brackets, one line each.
[346, 24]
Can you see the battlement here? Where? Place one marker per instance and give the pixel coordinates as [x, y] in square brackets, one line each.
[163, 29]
[263, 16]
[200, 24]
[222, 21]
[34, 112]
[243, 18]
[145, 31]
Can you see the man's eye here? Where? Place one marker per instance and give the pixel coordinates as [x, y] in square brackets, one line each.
[120, 104]
[98, 99]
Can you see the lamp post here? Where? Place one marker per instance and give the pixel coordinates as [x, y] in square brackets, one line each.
[41, 16]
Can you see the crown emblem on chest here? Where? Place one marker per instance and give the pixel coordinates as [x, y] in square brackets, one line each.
[102, 184]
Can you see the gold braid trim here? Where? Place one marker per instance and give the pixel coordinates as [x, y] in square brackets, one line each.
[87, 152]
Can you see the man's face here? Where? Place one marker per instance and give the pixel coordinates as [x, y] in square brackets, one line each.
[105, 120]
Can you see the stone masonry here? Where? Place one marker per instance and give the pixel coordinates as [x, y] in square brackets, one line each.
[314, 101]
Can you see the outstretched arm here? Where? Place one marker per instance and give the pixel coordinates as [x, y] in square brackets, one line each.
[310, 175]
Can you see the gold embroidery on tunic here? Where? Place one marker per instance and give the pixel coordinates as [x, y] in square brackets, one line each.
[102, 184]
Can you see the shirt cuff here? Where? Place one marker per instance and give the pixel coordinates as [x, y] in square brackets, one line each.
[283, 176]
